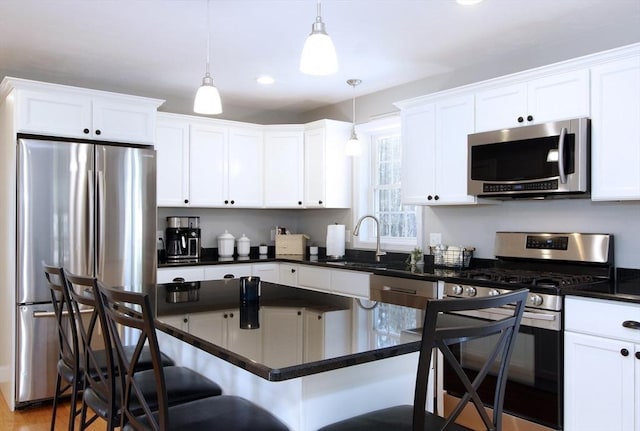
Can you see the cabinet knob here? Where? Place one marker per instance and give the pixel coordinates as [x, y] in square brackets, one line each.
[98, 132]
[529, 117]
[299, 313]
[185, 320]
[293, 270]
[86, 131]
[186, 201]
[225, 315]
[520, 120]
[429, 198]
[232, 202]
[436, 197]
[319, 317]
[299, 202]
[624, 352]
[226, 202]
[320, 202]
[637, 355]
[231, 315]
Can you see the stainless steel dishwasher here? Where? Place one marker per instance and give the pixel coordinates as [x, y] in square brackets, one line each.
[407, 292]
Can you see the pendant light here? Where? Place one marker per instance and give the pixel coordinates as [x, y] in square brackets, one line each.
[354, 147]
[319, 54]
[207, 98]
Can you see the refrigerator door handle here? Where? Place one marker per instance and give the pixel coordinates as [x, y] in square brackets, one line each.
[91, 220]
[42, 314]
[99, 222]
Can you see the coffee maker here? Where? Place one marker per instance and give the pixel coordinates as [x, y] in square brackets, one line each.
[183, 238]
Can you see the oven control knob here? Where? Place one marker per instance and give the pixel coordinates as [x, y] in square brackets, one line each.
[471, 291]
[535, 299]
[494, 292]
[457, 289]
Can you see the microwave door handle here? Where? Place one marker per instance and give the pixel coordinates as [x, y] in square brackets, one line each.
[563, 176]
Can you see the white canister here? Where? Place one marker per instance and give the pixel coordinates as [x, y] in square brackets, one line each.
[225, 244]
[243, 245]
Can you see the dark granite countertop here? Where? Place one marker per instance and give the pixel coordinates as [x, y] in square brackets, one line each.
[625, 287]
[211, 296]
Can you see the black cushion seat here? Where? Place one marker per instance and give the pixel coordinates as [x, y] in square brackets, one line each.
[396, 418]
[183, 385]
[226, 412]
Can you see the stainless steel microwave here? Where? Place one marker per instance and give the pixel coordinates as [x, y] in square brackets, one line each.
[539, 161]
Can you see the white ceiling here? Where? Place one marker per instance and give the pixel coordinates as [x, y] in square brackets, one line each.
[157, 48]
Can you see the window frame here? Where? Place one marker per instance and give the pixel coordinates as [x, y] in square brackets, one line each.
[363, 199]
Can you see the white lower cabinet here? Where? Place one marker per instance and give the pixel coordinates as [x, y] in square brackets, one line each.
[326, 334]
[602, 366]
[220, 272]
[282, 329]
[350, 283]
[288, 274]
[314, 278]
[188, 273]
[266, 271]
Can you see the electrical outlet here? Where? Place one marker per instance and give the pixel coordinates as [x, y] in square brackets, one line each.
[435, 239]
[273, 234]
[160, 235]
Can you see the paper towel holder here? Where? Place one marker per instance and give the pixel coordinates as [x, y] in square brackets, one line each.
[335, 241]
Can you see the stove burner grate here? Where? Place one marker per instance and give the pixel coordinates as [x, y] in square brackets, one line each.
[534, 278]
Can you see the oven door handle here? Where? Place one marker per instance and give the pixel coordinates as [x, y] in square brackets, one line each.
[507, 312]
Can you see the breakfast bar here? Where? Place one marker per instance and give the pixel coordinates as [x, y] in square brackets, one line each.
[310, 358]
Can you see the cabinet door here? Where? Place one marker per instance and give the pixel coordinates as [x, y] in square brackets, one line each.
[282, 332]
[172, 156]
[180, 321]
[54, 113]
[208, 166]
[219, 272]
[246, 342]
[314, 168]
[326, 334]
[558, 97]
[167, 275]
[123, 121]
[266, 271]
[283, 175]
[599, 380]
[350, 283]
[454, 121]
[418, 148]
[314, 278]
[500, 107]
[245, 167]
[615, 130]
[288, 274]
[211, 326]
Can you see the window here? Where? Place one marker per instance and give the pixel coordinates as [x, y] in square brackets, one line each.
[379, 189]
[390, 320]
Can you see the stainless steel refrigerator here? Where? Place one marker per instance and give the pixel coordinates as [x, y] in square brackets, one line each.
[89, 207]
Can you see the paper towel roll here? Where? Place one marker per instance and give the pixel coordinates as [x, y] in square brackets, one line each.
[335, 240]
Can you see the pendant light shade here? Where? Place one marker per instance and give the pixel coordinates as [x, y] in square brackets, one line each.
[207, 99]
[318, 54]
[354, 146]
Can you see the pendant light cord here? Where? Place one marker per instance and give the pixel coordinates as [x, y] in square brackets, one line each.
[353, 108]
[208, 37]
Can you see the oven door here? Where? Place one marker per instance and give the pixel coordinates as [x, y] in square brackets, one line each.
[534, 385]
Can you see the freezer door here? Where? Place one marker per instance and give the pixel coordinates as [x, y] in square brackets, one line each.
[55, 181]
[37, 353]
[126, 216]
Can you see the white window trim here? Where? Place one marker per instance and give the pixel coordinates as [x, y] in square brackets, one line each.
[362, 204]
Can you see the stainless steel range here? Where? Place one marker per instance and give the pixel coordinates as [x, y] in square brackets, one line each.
[546, 264]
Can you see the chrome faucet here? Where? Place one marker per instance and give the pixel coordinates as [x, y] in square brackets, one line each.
[356, 230]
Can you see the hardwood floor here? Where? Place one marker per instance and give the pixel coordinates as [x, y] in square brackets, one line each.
[39, 418]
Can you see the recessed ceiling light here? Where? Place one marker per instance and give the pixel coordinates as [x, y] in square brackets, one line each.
[265, 80]
[468, 2]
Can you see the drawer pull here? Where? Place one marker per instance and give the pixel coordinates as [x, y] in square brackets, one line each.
[631, 324]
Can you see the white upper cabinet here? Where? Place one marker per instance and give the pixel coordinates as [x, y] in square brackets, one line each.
[283, 167]
[245, 167]
[554, 97]
[57, 110]
[434, 151]
[172, 158]
[615, 130]
[327, 169]
[208, 163]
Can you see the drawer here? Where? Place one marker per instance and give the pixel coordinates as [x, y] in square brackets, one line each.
[601, 317]
[166, 275]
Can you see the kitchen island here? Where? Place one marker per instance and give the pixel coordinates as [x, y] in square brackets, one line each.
[311, 358]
